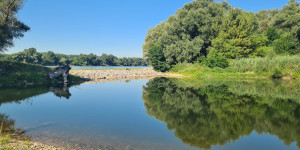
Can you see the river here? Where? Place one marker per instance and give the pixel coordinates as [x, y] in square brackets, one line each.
[158, 114]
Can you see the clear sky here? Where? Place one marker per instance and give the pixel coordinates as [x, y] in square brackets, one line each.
[115, 27]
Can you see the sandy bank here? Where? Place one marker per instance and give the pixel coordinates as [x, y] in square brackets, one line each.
[123, 74]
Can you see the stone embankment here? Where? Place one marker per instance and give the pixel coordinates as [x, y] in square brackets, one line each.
[121, 74]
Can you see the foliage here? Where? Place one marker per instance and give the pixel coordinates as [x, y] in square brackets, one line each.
[287, 44]
[186, 35]
[51, 59]
[10, 26]
[272, 35]
[289, 64]
[157, 58]
[259, 67]
[234, 41]
[21, 74]
[264, 19]
[205, 28]
[288, 19]
[215, 60]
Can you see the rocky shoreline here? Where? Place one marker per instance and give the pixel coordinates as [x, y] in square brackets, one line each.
[17, 144]
[120, 74]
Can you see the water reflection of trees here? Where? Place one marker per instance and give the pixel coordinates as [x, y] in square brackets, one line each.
[16, 95]
[204, 114]
[7, 127]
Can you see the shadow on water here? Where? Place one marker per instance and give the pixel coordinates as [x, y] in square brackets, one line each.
[17, 95]
[210, 113]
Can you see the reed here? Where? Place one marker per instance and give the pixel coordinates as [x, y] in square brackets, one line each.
[286, 64]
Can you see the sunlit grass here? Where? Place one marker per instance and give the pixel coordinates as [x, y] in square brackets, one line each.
[244, 68]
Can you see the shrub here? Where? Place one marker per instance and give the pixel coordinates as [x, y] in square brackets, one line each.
[216, 60]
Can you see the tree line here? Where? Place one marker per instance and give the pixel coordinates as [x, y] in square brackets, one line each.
[213, 33]
[52, 59]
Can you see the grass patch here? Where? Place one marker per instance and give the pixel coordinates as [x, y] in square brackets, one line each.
[19, 74]
[275, 67]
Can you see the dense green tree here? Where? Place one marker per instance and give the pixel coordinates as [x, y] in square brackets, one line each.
[272, 35]
[186, 35]
[157, 58]
[86, 60]
[288, 19]
[153, 35]
[27, 56]
[234, 41]
[49, 58]
[131, 61]
[287, 44]
[265, 17]
[10, 26]
[215, 60]
[108, 60]
[204, 29]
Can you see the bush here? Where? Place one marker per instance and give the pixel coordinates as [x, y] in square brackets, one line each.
[215, 60]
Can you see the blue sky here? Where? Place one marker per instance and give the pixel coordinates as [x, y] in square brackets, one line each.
[115, 27]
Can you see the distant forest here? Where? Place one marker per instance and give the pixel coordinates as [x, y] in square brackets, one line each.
[53, 59]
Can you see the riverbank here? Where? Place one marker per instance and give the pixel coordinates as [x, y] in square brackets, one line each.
[279, 67]
[15, 74]
[26, 145]
[120, 74]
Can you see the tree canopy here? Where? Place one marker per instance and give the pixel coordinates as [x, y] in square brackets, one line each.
[203, 28]
[10, 26]
[50, 58]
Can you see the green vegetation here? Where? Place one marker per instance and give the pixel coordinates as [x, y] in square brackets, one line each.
[10, 26]
[19, 74]
[211, 34]
[204, 113]
[51, 59]
[9, 134]
[260, 67]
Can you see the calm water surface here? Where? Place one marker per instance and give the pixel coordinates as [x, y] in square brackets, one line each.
[179, 114]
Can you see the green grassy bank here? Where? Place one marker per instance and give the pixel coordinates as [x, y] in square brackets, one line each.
[19, 74]
[285, 67]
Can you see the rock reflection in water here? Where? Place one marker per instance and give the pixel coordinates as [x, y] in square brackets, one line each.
[9, 95]
[204, 114]
[61, 91]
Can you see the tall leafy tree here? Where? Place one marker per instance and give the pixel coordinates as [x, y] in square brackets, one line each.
[186, 35]
[10, 26]
[50, 58]
[234, 41]
[157, 58]
[288, 19]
